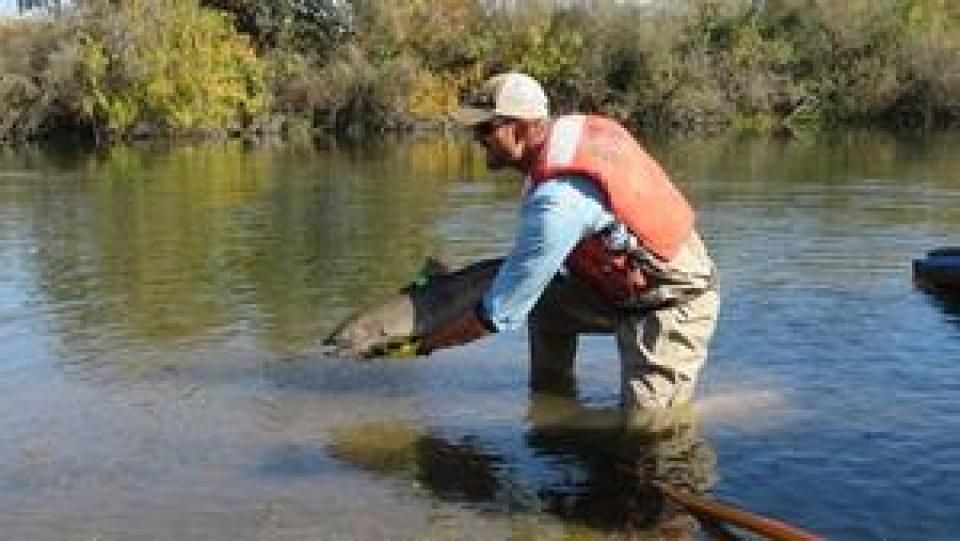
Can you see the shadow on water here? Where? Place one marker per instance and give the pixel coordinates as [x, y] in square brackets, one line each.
[591, 467]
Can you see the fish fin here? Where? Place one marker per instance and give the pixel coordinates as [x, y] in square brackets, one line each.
[435, 266]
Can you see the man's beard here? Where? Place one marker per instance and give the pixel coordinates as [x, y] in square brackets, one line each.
[498, 160]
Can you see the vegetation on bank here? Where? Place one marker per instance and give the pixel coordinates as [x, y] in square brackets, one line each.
[115, 68]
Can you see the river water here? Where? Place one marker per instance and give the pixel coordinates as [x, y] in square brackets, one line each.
[161, 374]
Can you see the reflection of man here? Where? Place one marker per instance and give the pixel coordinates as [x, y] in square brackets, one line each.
[597, 203]
[597, 466]
[623, 452]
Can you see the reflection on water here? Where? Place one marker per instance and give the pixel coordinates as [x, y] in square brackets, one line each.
[138, 246]
[169, 245]
[601, 463]
[161, 309]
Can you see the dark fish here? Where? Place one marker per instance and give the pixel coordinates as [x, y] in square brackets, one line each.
[395, 324]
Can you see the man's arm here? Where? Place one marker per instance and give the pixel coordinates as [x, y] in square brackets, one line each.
[553, 220]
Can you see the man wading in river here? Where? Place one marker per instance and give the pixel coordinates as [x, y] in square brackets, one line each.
[598, 204]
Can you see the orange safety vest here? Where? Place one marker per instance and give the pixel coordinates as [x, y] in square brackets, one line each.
[639, 193]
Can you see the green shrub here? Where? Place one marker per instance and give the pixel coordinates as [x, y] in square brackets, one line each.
[306, 26]
[184, 65]
[169, 63]
[38, 83]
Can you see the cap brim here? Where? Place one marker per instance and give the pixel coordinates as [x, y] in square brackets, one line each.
[472, 116]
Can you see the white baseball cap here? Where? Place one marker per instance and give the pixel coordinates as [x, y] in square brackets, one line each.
[513, 95]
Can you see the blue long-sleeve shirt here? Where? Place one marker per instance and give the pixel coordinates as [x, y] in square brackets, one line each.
[554, 217]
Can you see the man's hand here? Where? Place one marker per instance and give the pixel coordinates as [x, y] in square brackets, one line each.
[466, 327]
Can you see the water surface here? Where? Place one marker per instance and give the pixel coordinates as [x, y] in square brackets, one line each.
[161, 311]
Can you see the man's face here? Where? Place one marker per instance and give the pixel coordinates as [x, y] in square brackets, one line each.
[499, 138]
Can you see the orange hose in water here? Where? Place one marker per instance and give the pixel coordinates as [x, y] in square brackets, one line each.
[725, 513]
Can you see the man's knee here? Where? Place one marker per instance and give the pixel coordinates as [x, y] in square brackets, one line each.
[653, 390]
[662, 354]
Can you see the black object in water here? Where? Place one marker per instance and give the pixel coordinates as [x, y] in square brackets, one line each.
[939, 272]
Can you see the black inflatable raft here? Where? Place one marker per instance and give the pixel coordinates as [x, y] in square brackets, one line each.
[939, 271]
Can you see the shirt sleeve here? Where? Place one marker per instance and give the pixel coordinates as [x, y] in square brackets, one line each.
[553, 220]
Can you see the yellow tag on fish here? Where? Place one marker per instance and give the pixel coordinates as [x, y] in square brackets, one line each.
[403, 350]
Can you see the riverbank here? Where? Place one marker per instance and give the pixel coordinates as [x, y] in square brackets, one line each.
[229, 66]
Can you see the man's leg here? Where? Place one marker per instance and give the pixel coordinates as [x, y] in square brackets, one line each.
[566, 309]
[662, 352]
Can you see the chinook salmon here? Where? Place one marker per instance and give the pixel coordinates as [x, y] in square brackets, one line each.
[394, 325]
